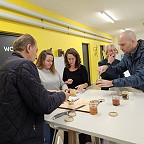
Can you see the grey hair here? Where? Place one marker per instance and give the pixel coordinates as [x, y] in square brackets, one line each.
[21, 42]
[110, 45]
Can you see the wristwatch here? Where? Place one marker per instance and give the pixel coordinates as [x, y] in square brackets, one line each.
[108, 64]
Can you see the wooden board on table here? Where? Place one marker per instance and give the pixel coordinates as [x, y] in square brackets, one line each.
[77, 103]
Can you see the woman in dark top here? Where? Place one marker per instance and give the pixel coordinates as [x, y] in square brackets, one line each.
[79, 76]
[75, 74]
[76, 77]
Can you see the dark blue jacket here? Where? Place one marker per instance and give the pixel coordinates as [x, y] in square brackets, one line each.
[23, 102]
[108, 76]
[135, 65]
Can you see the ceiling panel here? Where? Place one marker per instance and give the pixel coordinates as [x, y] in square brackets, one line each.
[128, 13]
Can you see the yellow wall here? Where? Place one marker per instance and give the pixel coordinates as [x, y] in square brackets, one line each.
[47, 38]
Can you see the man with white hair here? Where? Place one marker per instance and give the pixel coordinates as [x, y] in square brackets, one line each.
[110, 51]
[133, 61]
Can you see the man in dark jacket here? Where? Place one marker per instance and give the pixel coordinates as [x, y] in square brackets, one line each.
[133, 61]
[110, 59]
[23, 100]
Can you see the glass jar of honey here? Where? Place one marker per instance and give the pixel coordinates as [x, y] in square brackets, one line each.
[93, 107]
[72, 92]
[116, 100]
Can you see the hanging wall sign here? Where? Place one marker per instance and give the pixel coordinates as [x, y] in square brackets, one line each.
[95, 49]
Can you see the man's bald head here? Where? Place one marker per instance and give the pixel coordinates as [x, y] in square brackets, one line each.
[127, 41]
[128, 34]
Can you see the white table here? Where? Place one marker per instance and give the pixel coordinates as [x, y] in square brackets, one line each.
[126, 128]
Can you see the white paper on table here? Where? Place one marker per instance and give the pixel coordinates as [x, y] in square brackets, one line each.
[73, 98]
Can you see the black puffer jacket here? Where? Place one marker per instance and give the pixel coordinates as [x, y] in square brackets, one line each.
[23, 102]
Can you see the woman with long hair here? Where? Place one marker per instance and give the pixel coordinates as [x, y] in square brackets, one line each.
[76, 77]
[49, 76]
[52, 81]
[75, 74]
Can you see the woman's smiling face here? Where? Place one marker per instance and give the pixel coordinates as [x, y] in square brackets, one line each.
[48, 62]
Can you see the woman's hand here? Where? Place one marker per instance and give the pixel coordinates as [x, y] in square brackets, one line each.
[110, 59]
[69, 81]
[81, 87]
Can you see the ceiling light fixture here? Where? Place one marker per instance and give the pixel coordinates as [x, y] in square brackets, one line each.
[107, 17]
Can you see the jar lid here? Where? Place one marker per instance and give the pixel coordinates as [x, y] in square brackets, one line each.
[69, 119]
[94, 101]
[72, 114]
[113, 114]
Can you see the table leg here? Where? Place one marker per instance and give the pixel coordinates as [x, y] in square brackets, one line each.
[71, 137]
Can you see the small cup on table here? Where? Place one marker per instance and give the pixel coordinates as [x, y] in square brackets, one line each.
[116, 100]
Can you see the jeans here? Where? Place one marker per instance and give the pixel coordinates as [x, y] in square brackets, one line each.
[48, 134]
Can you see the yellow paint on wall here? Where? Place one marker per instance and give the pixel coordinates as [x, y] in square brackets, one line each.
[57, 40]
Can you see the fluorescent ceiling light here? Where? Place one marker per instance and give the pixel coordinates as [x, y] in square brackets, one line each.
[107, 17]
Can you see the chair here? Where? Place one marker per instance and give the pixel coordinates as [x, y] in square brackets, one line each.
[57, 135]
[59, 140]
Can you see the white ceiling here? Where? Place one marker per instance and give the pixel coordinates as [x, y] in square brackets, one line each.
[129, 14]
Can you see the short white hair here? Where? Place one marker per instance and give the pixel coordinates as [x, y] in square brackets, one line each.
[108, 46]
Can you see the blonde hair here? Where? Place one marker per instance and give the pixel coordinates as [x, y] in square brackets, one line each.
[108, 46]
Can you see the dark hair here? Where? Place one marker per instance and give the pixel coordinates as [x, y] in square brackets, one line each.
[41, 59]
[75, 54]
[21, 42]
